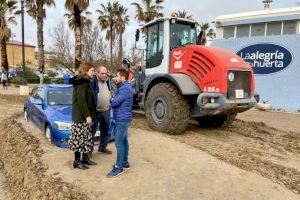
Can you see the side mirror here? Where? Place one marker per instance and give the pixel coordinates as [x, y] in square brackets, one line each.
[36, 101]
[137, 35]
[200, 38]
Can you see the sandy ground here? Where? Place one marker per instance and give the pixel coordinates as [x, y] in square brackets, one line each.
[7, 110]
[279, 120]
[3, 193]
[248, 160]
[14, 90]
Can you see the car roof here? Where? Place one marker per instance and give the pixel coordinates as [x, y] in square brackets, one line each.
[59, 85]
[56, 86]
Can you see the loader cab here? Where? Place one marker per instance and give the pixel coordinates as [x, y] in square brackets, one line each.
[162, 36]
[182, 33]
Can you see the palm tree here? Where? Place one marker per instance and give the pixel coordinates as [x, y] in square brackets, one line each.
[148, 10]
[8, 10]
[122, 21]
[183, 14]
[108, 21]
[76, 8]
[85, 21]
[206, 33]
[36, 9]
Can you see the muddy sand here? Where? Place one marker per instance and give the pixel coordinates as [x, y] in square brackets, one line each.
[247, 160]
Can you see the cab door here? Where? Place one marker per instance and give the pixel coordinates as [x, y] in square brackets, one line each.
[157, 56]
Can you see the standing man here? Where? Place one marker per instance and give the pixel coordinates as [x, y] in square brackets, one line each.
[121, 104]
[102, 94]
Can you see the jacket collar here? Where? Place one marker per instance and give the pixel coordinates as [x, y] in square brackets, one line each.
[77, 80]
[122, 84]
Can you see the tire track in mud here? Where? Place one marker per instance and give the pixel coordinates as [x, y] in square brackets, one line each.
[290, 141]
[20, 161]
[252, 146]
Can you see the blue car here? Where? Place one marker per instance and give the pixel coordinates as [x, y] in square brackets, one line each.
[49, 107]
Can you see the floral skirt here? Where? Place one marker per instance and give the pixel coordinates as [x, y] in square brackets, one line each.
[81, 139]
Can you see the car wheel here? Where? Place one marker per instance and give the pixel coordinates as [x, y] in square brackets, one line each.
[48, 134]
[25, 115]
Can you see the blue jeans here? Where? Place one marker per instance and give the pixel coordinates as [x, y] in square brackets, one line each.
[121, 142]
[103, 119]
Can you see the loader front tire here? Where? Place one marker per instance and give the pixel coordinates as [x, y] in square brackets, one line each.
[166, 109]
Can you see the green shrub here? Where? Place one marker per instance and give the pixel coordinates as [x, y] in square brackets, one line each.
[51, 73]
[31, 80]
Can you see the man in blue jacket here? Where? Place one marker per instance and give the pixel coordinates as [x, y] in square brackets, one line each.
[121, 103]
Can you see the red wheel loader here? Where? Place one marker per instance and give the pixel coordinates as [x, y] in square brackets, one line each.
[183, 80]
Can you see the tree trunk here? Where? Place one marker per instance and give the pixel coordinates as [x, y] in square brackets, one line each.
[120, 48]
[4, 38]
[4, 61]
[78, 35]
[111, 46]
[40, 38]
[77, 47]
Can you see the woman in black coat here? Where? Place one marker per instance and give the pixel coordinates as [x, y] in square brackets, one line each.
[83, 114]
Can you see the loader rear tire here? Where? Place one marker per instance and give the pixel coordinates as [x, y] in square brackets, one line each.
[166, 109]
[216, 121]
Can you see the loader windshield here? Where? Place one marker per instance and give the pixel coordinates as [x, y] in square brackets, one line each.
[182, 33]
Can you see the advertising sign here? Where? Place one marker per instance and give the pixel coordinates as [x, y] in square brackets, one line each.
[266, 58]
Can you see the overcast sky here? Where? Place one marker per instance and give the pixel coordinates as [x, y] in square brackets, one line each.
[202, 11]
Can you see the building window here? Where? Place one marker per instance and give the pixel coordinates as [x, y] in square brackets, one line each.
[228, 32]
[274, 28]
[289, 27]
[258, 29]
[242, 31]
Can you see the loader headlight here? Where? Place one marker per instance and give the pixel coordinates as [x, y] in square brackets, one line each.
[230, 76]
[62, 126]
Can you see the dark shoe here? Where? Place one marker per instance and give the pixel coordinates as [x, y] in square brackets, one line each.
[78, 164]
[116, 171]
[86, 160]
[126, 165]
[104, 150]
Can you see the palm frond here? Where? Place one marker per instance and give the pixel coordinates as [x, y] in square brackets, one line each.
[80, 4]
[148, 10]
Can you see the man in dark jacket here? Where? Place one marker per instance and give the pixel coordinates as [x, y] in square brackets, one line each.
[121, 104]
[102, 93]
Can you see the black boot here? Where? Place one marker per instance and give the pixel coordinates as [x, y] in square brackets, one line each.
[77, 163]
[86, 160]
[90, 153]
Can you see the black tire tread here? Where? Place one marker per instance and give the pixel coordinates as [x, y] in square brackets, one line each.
[181, 108]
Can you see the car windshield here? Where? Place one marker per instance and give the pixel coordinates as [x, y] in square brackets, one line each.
[182, 33]
[60, 97]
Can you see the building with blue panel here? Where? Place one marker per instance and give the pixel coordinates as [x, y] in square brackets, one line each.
[269, 40]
